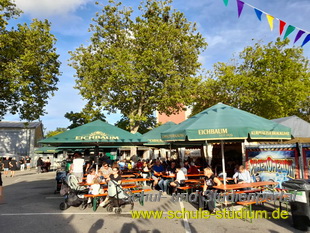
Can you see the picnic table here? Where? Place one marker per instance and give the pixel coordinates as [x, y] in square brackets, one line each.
[260, 184]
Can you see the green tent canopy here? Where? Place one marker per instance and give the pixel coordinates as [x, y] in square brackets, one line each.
[153, 137]
[94, 133]
[222, 122]
[46, 150]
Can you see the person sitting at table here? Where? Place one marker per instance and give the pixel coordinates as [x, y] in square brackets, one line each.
[115, 177]
[95, 188]
[139, 164]
[210, 180]
[193, 169]
[183, 168]
[91, 175]
[186, 164]
[122, 164]
[105, 170]
[180, 179]
[157, 170]
[242, 176]
[145, 171]
[163, 183]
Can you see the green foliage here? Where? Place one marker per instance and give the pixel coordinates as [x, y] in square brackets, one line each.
[139, 66]
[144, 126]
[270, 80]
[55, 132]
[28, 65]
[81, 118]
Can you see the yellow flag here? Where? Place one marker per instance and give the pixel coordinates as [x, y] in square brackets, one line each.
[270, 21]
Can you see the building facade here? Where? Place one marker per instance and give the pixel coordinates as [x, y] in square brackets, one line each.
[19, 138]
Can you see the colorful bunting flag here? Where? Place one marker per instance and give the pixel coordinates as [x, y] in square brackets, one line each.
[240, 5]
[299, 34]
[270, 21]
[258, 14]
[306, 40]
[282, 25]
[289, 30]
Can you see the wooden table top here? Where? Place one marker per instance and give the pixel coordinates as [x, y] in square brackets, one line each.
[245, 185]
[135, 180]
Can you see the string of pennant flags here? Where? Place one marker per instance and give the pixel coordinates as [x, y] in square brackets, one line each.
[270, 19]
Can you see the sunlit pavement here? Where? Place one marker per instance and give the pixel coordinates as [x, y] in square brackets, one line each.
[30, 205]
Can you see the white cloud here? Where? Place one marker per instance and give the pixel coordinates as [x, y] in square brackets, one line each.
[39, 8]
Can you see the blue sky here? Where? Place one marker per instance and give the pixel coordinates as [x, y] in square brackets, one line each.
[225, 34]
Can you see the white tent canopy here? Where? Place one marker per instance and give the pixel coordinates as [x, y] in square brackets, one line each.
[300, 128]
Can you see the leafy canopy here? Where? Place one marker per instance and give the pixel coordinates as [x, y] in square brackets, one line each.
[28, 65]
[139, 65]
[80, 118]
[55, 132]
[270, 80]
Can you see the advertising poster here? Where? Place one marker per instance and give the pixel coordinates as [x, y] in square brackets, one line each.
[272, 164]
[306, 152]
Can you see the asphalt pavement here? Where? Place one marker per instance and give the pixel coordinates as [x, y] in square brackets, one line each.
[30, 205]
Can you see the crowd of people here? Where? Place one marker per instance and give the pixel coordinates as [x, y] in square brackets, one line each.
[165, 174]
[9, 165]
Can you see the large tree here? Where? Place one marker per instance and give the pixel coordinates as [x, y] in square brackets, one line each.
[55, 132]
[270, 80]
[81, 118]
[139, 65]
[28, 65]
[144, 126]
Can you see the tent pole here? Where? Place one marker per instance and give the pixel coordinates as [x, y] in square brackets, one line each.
[223, 162]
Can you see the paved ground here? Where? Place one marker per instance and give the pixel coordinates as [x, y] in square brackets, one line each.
[30, 205]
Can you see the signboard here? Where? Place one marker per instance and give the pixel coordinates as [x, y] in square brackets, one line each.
[272, 164]
[306, 152]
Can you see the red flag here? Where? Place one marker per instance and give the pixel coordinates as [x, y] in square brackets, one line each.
[282, 24]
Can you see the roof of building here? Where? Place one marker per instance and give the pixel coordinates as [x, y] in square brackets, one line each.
[300, 128]
[18, 124]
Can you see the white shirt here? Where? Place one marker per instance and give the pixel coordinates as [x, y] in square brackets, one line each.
[184, 170]
[95, 189]
[245, 176]
[78, 165]
[180, 175]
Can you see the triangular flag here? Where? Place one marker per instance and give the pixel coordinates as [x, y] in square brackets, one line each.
[240, 5]
[282, 25]
[289, 30]
[258, 14]
[270, 21]
[225, 2]
[306, 40]
[299, 34]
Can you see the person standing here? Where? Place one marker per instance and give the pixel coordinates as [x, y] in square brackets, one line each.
[6, 166]
[77, 167]
[39, 165]
[1, 191]
[48, 164]
[13, 166]
[28, 160]
[22, 164]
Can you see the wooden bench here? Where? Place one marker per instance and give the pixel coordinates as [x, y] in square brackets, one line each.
[187, 187]
[95, 199]
[140, 190]
[249, 204]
